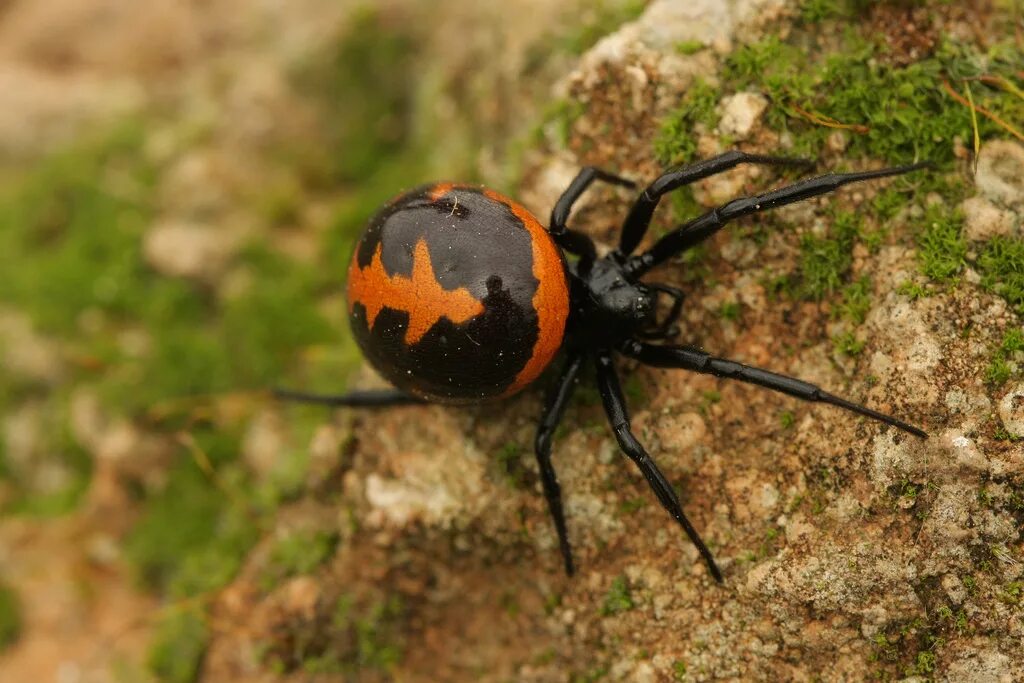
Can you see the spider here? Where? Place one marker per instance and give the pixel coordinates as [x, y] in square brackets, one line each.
[457, 294]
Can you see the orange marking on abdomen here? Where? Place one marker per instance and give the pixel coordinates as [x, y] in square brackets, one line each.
[420, 295]
[440, 190]
[550, 301]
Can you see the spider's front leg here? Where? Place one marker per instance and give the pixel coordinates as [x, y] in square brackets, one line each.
[639, 218]
[699, 229]
[618, 416]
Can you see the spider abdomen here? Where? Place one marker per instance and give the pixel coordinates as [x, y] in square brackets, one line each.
[457, 293]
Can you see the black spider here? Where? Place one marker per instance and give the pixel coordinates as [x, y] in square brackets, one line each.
[457, 294]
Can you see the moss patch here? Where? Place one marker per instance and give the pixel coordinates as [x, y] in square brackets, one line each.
[189, 538]
[1002, 270]
[676, 141]
[1005, 361]
[351, 637]
[618, 599]
[178, 647]
[298, 553]
[942, 247]
[824, 261]
[10, 616]
[893, 113]
[598, 20]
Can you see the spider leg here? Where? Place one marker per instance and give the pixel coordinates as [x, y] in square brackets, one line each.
[639, 218]
[371, 398]
[618, 416]
[699, 229]
[554, 408]
[571, 240]
[690, 358]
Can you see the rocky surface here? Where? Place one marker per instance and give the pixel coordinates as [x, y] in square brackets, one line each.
[847, 547]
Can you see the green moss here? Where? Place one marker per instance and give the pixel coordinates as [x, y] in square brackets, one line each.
[635, 389]
[892, 113]
[707, 399]
[190, 539]
[1000, 369]
[59, 447]
[598, 19]
[814, 11]
[354, 637]
[367, 86]
[69, 233]
[888, 203]
[618, 598]
[824, 261]
[856, 300]
[590, 675]
[847, 343]
[1002, 270]
[10, 617]
[912, 290]
[689, 47]
[676, 141]
[298, 553]
[679, 670]
[730, 310]
[178, 646]
[558, 118]
[942, 248]
[628, 507]
[71, 245]
[1013, 592]
[924, 664]
[510, 464]
[264, 327]
[960, 624]
[787, 419]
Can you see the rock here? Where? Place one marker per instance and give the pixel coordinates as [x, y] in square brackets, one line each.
[263, 443]
[965, 452]
[26, 353]
[199, 184]
[1011, 410]
[1000, 174]
[741, 112]
[983, 220]
[954, 588]
[837, 141]
[43, 110]
[188, 250]
[983, 666]
[666, 23]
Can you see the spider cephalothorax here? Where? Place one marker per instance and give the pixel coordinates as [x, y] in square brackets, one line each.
[457, 294]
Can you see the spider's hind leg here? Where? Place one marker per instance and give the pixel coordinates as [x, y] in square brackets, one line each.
[554, 408]
[618, 416]
[690, 358]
